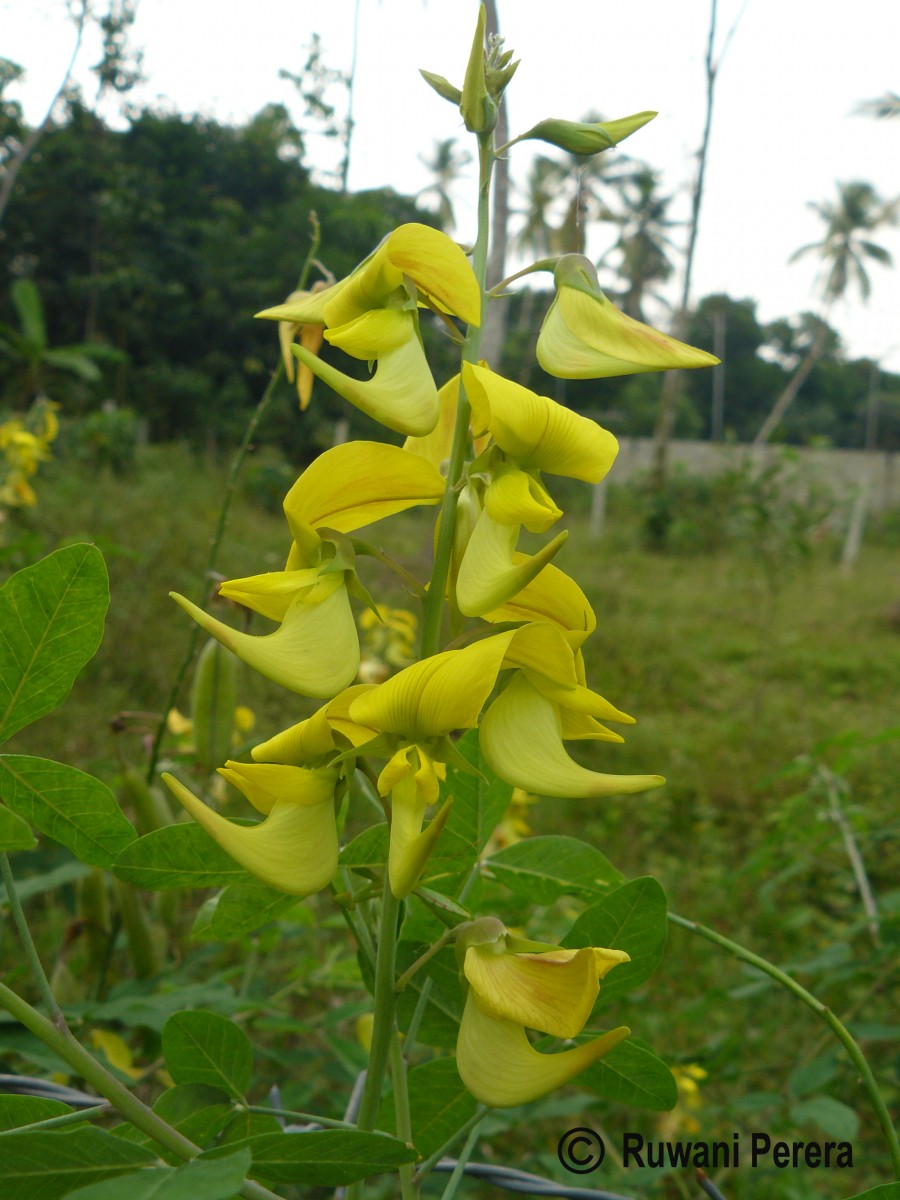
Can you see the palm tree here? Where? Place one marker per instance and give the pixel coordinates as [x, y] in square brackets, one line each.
[538, 235]
[845, 250]
[445, 164]
[644, 244]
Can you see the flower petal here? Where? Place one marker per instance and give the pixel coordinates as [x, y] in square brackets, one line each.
[357, 483]
[264, 784]
[516, 497]
[315, 650]
[501, 1068]
[437, 695]
[535, 430]
[551, 596]
[271, 594]
[521, 739]
[401, 395]
[488, 574]
[295, 849]
[584, 335]
[552, 992]
[313, 739]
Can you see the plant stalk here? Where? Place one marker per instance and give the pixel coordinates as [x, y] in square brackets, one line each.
[841, 1032]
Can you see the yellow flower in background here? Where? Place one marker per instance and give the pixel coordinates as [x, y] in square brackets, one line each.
[584, 335]
[295, 848]
[514, 984]
[24, 445]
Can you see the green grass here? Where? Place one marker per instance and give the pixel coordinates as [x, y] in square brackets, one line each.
[733, 676]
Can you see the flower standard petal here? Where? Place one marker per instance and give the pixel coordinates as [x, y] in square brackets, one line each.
[315, 650]
[264, 784]
[501, 1068]
[553, 992]
[313, 739]
[358, 483]
[521, 739]
[295, 849]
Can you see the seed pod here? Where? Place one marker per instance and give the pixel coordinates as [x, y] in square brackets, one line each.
[213, 701]
[147, 805]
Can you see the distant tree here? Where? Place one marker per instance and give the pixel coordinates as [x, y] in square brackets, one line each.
[445, 164]
[845, 251]
[643, 245]
[885, 105]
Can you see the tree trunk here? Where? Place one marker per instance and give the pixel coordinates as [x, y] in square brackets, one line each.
[787, 397]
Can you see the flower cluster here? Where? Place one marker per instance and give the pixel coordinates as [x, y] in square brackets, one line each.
[479, 446]
[24, 445]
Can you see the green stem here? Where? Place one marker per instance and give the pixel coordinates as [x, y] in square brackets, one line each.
[385, 1003]
[433, 949]
[230, 488]
[470, 1127]
[459, 1170]
[408, 1190]
[433, 607]
[61, 1041]
[291, 1114]
[841, 1032]
[72, 1118]
[31, 954]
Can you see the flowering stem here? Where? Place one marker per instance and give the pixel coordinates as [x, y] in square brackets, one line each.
[408, 1189]
[385, 1003]
[433, 608]
[230, 487]
[841, 1032]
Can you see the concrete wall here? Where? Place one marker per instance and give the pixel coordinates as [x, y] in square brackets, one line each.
[844, 471]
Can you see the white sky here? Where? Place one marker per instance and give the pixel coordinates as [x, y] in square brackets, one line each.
[784, 129]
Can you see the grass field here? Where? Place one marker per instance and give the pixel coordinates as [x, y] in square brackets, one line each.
[765, 696]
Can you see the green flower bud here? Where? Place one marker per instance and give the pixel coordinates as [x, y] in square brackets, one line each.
[478, 109]
[442, 86]
[579, 137]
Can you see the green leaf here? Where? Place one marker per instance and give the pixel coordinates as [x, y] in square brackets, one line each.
[245, 906]
[542, 869]
[833, 1117]
[443, 1011]
[195, 1110]
[885, 1191]
[327, 1158]
[439, 1103]
[49, 881]
[51, 623]
[15, 834]
[73, 808]
[177, 856]
[200, 1179]
[479, 801]
[42, 1165]
[632, 1074]
[631, 918]
[202, 1047]
[16, 1111]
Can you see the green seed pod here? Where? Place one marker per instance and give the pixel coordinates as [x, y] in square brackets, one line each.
[213, 701]
[93, 909]
[142, 936]
[586, 138]
[147, 805]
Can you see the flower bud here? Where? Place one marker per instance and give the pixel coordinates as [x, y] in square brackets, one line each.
[585, 138]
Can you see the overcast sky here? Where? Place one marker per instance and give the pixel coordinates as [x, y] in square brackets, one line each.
[784, 129]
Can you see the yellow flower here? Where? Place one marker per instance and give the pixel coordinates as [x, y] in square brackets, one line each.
[514, 984]
[534, 430]
[315, 650]
[521, 737]
[584, 335]
[295, 848]
[372, 315]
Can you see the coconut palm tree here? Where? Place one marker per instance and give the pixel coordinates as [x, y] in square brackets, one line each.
[845, 251]
[644, 244]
